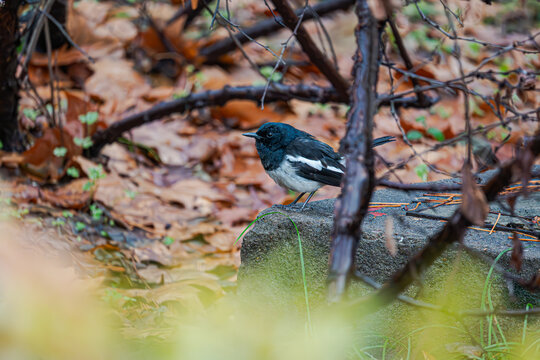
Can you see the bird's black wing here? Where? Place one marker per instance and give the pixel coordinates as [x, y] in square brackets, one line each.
[315, 161]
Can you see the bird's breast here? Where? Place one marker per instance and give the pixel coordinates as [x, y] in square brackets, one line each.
[286, 176]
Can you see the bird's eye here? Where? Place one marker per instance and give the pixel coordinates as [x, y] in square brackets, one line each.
[270, 134]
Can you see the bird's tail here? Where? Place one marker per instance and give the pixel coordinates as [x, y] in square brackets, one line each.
[383, 140]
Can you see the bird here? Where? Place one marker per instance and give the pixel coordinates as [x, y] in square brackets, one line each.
[297, 161]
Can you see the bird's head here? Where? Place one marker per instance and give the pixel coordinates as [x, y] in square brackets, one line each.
[274, 136]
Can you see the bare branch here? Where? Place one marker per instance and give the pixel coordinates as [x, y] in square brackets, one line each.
[276, 92]
[310, 48]
[266, 27]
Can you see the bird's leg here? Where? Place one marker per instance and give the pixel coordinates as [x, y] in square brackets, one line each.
[297, 198]
[288, 206]
[307, 200]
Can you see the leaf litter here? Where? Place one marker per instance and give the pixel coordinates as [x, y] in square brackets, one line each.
[162, 208]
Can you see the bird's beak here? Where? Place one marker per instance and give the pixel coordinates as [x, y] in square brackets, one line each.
[253, 135]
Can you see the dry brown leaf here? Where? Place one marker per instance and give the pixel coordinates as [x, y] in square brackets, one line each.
[390, 242]
[114, 81]
[156, 252]
[222, 240]
[475, 206]
[40, 162]
[62, 57]
[117, 28]
[245, 114]
[516, 259]
[236, 215]
[70, 196]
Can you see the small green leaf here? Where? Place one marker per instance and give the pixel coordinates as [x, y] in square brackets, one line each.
[130, 193]
[421, 119]
[269, 73]
[436, 133]
[96, 172]
[80, 226]
[96, 212]
[32, 114]
[475, 48]
[167, 240]
[67, 214]
[85, 143]
[422, 171]
[88, 185]
[73, 172]
[491, 135]
[414, 135]
[60, 151]
[180, 94]
[58, 222]
[89, 118]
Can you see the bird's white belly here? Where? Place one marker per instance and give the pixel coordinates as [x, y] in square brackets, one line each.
[285, 176]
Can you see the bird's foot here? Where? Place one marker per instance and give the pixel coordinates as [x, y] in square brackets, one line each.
[288, 207]
[293, 207]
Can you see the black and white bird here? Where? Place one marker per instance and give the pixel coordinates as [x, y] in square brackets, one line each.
[297, 161]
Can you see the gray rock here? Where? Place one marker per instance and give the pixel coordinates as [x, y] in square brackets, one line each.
[271, 266]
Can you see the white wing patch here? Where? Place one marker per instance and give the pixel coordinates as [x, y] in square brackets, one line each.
[316, 164]
[313, 163]
[335, 169]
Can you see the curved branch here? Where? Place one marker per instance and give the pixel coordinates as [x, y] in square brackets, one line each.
[276, 92]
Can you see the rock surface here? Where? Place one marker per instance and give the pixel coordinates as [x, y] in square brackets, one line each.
[271, 265]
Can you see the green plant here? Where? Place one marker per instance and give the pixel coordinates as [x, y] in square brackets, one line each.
[96, 212]
[73, 172]
[94, 174]
[89, 118]
[422, 171]
[85, 143]
[60, 151]
[302, 264]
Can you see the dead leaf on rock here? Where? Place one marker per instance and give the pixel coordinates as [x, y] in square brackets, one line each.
[516, 259]
[475, 206]
[390, 242]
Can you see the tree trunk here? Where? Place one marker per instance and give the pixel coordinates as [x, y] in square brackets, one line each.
[9, 88]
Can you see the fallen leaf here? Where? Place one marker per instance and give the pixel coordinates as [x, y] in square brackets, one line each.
[390, 242]
[70, 196]
[156, 252]
[475, 206]
[516, 258]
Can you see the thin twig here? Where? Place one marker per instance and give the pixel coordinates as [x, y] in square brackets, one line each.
[316, 56]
